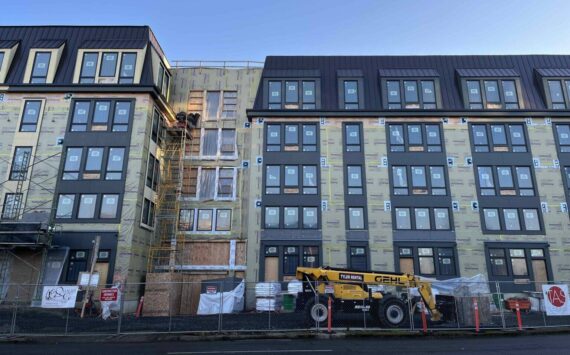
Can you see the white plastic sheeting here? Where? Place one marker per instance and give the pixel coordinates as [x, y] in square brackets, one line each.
[108, 306]
[460, 286]
[224, 302]
[268, 304]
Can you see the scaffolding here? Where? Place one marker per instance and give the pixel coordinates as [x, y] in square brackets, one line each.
[164, 253]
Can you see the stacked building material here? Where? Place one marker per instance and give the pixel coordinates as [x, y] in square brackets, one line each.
[268, 296]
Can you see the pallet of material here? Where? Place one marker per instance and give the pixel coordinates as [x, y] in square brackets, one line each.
[162, 294]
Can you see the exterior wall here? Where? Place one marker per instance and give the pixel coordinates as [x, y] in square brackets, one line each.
[195, 255]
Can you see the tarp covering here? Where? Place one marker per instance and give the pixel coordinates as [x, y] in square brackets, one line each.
[460, 286]
[222, 302]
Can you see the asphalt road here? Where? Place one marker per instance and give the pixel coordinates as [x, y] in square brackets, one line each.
[530, 344]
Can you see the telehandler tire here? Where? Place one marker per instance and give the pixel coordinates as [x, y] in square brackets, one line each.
[316, 311]
[392, 312]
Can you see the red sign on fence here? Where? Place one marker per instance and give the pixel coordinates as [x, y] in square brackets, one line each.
[109, 294]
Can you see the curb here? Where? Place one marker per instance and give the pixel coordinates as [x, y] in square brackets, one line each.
[186, 337]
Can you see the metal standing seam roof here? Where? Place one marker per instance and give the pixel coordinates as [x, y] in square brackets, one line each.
[405, 73]
[75, 38]
[553, 72]
[449, 68]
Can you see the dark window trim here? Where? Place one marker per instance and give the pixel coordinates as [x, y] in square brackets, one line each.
[366, 247]
[499, 80]
[435, 245]
[40, 114]
[103, 60]
[432, 224]
[282, 144]
[410, 186]
[32, 77]
[121, 68]
[104, 161]
[23, 169]
[425, 146]
[299, 80]
[81, 76]
[75, 208]
[17, 208]
[281, 214]
[546, 91]
[511, 205]
[492, 146]
[360, 85]
[527, 246]
[514, 176]
[111, 118]
[280, 253]
[384, 91]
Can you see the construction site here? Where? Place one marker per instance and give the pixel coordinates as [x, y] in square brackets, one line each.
[200, 234]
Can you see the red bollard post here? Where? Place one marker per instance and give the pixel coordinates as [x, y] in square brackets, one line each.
[423, 313]
[329, 318]
[519, 320]
[476, 307]
[139, 307]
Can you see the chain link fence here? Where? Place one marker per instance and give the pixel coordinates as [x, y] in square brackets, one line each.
[209, 307]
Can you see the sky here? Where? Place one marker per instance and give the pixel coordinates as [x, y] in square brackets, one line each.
[253, 29]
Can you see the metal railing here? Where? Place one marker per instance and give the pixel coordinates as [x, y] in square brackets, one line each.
[213, 307]
[218, 64]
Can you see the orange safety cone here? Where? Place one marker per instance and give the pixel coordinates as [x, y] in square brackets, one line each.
[476, 307]
[519, 320]
[329, 318]
[139, 307]
[424, 319]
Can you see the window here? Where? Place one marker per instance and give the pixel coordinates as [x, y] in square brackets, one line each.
[310, 180]
[147, 217]
[518, 262]
[355, 218]
[271, 217]
[430, 261]
[291, 140]
[109, 206]
[310, 220]
[512, 261]
[72, 164]
[274, 95]
[354, 179]
[417, 138]
[121, 117]
[1, 58]
[93, 163]
[228, 146]
[563, 135]
[521, 183]
[226, 183]
[290, 260]
[403, 218]
[358, 258]
[115, 164]
[20, 163]
[272, 179]
[298, 94]
[205, 220]
[163, 82]
[291, 94]
[350, 94]
[157, 127]
[87, 204]
[496, 94]
[416, 94]
[291, 217]
[127, 72]
[429, 180]
[273, 137]
[88, 68]
[229, 109]
[30, 116]
[208, 186]
[309, 138]
[95, 115]
[108, 64]
[499, 138]
[311, 257]
[218, 143]
[352, 137]
[291, 179]
[223, 220]
[558, 93]
[65, 206]
[399, 180]
[423, 218]
[498, 262]
[507, 220]
[40, 68]
[186, 220]
[11, 207]
[212, 105]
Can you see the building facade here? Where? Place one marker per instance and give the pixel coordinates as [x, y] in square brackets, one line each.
[81, 108]
[443, 166]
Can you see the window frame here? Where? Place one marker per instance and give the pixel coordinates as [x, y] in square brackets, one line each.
[437, 257]
[38, 117]
[282, 146]
[282, 103]
[521, 220]
[406, 146]
[411, 218]
[491, 147]
[483, 95]
[16, 207]
[22, 171]
[111, 119]
[32, 76]
[401, 104]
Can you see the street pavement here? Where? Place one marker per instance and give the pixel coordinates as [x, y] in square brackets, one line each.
[522, 344]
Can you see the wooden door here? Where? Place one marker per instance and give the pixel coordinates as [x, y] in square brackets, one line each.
[271, 268]
[407, 265]
[103, 270]
[540, 274]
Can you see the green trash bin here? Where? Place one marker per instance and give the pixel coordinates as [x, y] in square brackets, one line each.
[288, 303]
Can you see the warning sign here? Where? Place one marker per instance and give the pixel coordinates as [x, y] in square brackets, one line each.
[556, 300]
[109, 295]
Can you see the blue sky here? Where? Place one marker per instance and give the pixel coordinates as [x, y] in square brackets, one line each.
[252, 29]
